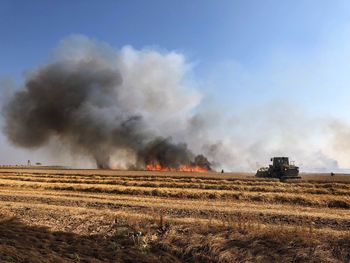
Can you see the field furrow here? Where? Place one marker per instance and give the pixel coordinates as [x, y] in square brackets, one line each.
[179, 205]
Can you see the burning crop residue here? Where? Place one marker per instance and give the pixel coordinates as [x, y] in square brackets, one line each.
[163, 155]
[182, 168]
[199, 165]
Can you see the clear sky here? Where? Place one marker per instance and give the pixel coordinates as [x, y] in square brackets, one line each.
[247, 53]
[221, 37]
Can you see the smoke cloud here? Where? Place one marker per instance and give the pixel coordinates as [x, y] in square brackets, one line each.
[126, 109]
[245, 140]
[104, 103]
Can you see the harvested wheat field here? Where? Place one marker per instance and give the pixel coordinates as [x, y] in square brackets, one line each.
[58, 215]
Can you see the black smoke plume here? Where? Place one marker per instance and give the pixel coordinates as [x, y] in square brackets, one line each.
[79, 103]
[162, 151]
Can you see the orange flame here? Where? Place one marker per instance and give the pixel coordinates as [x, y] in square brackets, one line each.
[182, 168]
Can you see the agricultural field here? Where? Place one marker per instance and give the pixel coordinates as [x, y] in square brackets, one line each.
[62, 215]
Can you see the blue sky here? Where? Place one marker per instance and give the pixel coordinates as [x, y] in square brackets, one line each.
[245, 53]
[220, 37]
[207, 31]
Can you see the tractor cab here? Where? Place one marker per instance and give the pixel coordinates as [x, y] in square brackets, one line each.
[279, 161]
